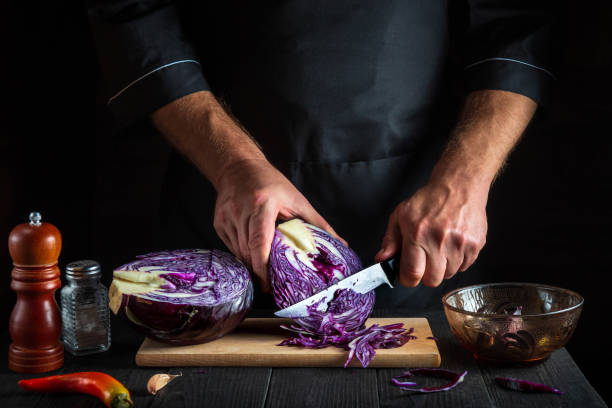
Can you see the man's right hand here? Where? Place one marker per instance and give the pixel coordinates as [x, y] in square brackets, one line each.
[251, 195]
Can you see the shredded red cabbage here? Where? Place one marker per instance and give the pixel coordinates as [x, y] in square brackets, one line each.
[342, 323]
[435, 372]
[524, 385]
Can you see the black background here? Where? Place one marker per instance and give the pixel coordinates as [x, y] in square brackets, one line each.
[549, 214]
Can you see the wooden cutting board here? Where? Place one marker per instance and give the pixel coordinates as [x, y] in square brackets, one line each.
[254, 344]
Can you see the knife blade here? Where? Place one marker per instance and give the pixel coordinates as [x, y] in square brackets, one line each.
[361, 282]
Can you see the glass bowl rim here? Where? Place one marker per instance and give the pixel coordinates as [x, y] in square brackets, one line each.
[542, 285]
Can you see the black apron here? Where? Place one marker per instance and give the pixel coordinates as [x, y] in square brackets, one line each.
[351, 105]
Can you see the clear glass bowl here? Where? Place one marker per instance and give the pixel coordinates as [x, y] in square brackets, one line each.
[512, 322]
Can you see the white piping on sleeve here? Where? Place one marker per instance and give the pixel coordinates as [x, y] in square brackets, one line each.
[146, 75]
[511, 60]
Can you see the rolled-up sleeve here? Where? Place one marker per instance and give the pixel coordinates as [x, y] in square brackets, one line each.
[145, 58]
[510, 47]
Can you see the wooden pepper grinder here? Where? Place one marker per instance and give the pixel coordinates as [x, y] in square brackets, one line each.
[36, 324]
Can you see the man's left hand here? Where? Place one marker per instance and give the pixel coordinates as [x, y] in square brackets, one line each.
[441, 229]
[438, 231]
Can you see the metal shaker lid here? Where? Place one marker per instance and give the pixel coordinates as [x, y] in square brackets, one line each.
[83, 269]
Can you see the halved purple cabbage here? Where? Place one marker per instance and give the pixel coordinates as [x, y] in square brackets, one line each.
[305, 260]
[181, 297]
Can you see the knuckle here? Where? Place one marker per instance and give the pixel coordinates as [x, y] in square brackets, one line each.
[482, 243]
[233, 209]
[218, 222]
[437, 234]
[410, 272]
[419, 230]
[218, 213]
[445, 229]
[403, 214]
[411, 269]
[474, 245]
[225, 211]
[402, 210]
[257, 240]
[259, 197]
[449, 275]
[461, 240]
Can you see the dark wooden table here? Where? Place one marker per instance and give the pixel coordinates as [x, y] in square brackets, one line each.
[311, 387]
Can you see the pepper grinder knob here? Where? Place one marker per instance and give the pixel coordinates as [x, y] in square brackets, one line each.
[35, 324]
[35, 218]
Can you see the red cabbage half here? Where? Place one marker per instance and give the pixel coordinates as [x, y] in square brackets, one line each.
[305, 260]
[182, 297]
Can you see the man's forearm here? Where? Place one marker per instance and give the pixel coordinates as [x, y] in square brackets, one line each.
[490, 125]
[200, 129]
[442, 227]
[251, 193]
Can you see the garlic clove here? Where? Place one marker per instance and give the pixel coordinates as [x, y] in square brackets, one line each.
[159, 381]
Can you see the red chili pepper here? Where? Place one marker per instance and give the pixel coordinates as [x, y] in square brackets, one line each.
[110, 391]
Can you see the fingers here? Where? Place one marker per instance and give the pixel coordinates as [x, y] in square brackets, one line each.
[238, 239]
[430, 251]
[391, 242]
[452, 265]
[470, 256]
[226, 240]
[243, 241]
[261, 228]
[455, 252]
[413, 263]
[228, 234]
[413, 259]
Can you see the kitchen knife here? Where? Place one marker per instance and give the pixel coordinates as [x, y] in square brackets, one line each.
[361, 282]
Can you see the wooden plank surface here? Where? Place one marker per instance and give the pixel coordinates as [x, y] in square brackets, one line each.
[321, 387]
[227, 387]
[255, 343]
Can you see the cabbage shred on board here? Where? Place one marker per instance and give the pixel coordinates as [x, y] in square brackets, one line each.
[305, 260]
[185, 296]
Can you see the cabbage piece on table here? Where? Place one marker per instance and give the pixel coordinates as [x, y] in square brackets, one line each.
[186, 296]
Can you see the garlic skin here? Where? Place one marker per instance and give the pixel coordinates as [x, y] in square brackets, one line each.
[159, 381]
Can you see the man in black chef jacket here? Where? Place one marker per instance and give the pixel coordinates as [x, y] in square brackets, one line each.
[387, 120]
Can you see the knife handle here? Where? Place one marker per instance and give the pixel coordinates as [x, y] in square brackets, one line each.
[391, 268]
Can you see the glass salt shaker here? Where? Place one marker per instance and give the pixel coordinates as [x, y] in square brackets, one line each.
[85, 314]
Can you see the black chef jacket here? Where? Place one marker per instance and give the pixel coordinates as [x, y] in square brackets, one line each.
[351, 99]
